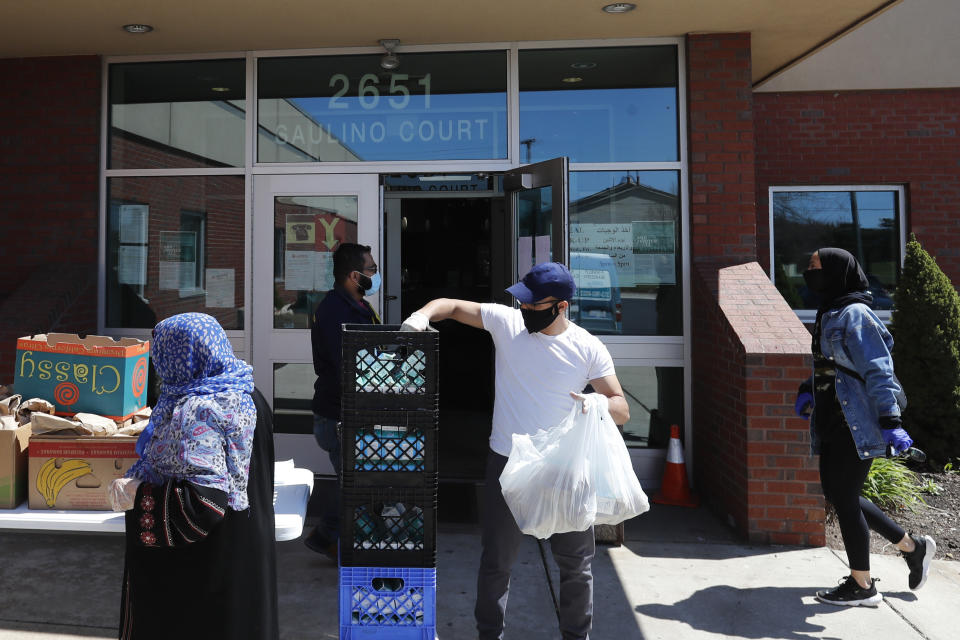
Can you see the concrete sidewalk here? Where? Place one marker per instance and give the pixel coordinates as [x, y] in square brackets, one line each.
[681, 574]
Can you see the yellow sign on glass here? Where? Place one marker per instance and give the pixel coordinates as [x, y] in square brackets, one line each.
[301, 232]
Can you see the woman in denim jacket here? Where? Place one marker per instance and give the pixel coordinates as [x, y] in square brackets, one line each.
[855, 400]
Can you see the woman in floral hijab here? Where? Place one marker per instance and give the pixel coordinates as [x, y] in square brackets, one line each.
[200, 558]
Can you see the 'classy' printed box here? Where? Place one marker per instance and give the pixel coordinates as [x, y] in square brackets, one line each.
[96, 374]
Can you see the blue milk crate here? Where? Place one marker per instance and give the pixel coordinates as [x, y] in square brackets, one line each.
[386, 603]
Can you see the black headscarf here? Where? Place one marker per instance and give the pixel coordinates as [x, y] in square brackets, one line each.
[844, 283]
[843, 279]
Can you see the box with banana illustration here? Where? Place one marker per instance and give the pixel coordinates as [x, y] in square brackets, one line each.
[73, 472]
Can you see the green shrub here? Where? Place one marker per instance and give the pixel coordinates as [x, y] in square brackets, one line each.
[926, 353]
[891, 485]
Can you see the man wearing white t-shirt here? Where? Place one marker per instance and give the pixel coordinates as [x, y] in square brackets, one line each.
[543, 362]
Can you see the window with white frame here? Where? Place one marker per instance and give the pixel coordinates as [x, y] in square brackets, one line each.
[866, 220]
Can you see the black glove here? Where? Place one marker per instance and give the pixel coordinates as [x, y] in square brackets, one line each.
[890, 422]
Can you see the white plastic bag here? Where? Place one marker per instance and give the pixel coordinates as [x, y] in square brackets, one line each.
[571, 476]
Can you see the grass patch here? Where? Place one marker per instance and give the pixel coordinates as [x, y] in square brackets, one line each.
[891, 485]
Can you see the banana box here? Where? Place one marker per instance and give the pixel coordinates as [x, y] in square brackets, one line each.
[96, 374]
[73, 472]
[13, 466]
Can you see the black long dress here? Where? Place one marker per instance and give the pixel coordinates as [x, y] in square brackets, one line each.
[194, 568]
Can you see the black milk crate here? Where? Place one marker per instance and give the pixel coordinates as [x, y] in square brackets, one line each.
[388, 526]
[389, 448]
[385, 368]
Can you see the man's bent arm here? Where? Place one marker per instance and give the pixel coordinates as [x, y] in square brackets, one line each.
[464, 311]
[617, 404]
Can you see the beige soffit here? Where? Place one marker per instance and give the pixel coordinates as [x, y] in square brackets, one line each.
[782, 30]
[915, 45]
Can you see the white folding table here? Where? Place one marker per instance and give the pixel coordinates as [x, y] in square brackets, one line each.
[292, 489]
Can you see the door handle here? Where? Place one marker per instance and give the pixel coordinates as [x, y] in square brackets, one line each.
[389, 298]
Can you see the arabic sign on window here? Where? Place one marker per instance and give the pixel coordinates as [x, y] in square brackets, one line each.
[614, 240]
[642, 251]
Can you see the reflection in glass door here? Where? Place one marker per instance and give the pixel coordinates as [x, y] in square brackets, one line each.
[298, 222]
[539, 195]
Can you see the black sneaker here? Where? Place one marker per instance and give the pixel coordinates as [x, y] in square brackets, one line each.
[851, 594]
[919, 560]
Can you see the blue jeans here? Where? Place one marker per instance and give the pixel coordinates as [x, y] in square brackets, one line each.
[325, 432]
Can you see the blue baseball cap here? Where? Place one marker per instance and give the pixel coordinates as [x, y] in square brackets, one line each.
[544, 280]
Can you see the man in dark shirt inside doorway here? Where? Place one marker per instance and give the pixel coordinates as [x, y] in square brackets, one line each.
[355, 275]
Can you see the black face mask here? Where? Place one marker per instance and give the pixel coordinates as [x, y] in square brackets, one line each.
[536, 321]
[814, 280]
[364, 282]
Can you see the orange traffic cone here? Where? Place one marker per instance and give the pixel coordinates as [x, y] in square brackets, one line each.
[675, 489]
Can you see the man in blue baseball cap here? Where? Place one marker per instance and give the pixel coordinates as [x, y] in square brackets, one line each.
[543, 363]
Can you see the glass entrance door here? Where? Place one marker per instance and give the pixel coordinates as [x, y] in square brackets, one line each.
[538, 195]
[298, 222]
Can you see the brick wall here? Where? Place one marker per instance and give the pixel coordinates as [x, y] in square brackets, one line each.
[751, 454]
[49, 162]
[867, 137]
[721, 154]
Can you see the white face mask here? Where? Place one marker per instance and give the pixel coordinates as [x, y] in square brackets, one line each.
[375, 282]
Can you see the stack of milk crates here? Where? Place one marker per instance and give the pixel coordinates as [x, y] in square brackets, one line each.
[388, 517]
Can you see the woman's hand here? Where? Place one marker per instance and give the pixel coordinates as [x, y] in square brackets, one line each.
[896, 437]
[121, 493]
[804, 404]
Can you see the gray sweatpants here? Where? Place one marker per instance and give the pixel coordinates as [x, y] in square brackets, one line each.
[573, 553]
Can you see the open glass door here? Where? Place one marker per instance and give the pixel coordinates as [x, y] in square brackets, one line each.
[538, 197]
[298, 222]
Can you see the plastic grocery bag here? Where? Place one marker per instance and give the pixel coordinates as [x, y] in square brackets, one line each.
[571, 476]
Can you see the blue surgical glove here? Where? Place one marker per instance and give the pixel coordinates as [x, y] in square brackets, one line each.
[894, 435]
[803, 404]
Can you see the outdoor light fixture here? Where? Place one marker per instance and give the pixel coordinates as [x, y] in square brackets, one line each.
[137, 28]
[220, 89]
[620, 7]
[572, 79]
[390, 60]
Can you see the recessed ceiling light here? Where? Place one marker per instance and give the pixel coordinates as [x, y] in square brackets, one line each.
[220, 89]
[573, 79]
[620, 7]
[137, 28]
[583, 65]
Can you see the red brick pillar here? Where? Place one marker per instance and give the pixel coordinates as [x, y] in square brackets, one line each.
[750, 352]
[723, 220]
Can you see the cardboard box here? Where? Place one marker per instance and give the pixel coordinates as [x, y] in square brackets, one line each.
[96, 374]
[13, 466]
[73, 472]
